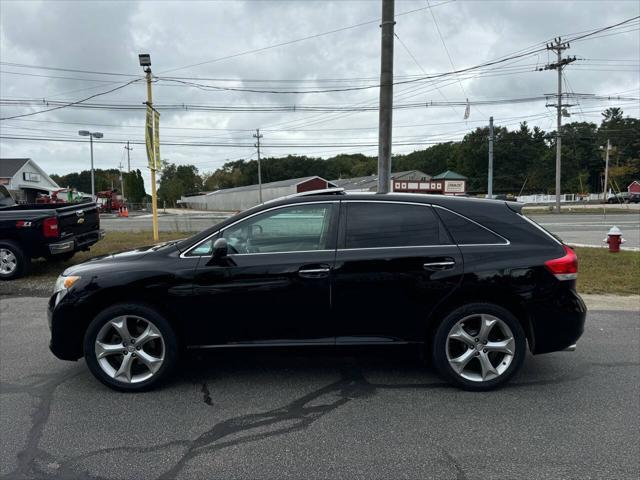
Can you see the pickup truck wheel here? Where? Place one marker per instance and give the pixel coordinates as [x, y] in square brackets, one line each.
[130, 347]
[479, 346]
[13, 262]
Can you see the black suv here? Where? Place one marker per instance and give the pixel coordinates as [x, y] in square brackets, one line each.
[470, 281]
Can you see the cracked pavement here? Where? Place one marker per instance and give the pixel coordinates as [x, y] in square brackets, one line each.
[320, 414]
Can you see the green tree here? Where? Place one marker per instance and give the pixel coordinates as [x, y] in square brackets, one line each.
[134, 187]
[178, 180]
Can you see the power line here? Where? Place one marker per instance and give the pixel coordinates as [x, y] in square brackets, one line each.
[299, 107]
[420, 67]
[290, 42]
[435, 21]
[71, 104]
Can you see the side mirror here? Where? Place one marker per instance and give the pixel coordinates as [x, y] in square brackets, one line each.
[220, 249]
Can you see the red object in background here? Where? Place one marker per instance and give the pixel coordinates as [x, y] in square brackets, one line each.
[614, 239]
[109, 201]
[312, 184]
[57, 196]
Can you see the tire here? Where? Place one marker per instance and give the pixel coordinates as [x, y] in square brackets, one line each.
[13, 261]
[127, 323]
[461, 347]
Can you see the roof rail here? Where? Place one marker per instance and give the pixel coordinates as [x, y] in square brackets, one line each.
[325, 191]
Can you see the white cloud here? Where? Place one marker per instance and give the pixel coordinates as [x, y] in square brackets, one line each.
[107, 36]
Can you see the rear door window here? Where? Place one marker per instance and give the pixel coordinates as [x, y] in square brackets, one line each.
[467, 232]
[381, 224]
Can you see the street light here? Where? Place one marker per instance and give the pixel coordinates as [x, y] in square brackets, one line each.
[91, 135]
[145, 63]
[145, 59]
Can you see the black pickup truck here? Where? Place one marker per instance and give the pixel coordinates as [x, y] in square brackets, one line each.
[52, 231]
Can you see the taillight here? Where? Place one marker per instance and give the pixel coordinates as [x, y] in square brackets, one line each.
[50, 227]
[564, 268]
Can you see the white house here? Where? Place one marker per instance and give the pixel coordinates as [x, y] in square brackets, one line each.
[25, 179]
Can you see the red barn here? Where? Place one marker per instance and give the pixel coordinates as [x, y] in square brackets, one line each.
[634, 187]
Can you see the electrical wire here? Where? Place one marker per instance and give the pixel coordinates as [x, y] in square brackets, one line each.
[290, 42]
[71, 104]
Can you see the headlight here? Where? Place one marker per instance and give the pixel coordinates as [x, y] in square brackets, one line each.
[63, 284]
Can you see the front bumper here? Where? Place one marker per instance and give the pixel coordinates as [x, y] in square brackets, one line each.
[558, 322]
[66, 334]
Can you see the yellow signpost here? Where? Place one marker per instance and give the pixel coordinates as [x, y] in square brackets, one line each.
[152, 137]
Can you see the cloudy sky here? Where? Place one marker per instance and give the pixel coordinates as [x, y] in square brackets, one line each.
[47, 49]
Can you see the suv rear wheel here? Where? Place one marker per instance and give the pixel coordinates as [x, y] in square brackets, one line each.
[130, 347]
[479, 346]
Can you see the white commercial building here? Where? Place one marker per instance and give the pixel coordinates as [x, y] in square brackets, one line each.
[25, 179]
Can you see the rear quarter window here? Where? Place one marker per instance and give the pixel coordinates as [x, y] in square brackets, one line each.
[467, 232]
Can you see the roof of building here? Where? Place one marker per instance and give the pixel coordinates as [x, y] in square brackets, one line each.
[449, 175]
[10, 166]
[421, 174]
[282, 183]
[357, 183]
[371, 181]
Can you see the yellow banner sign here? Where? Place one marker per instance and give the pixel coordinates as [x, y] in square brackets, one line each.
[149, 137]
[156, 139]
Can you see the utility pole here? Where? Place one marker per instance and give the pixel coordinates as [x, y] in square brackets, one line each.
[145, 63]
[128, 149]
[257, 136]
[154, 194]
[558, 47]
[606, 170]
[490, 180]
[385, 121]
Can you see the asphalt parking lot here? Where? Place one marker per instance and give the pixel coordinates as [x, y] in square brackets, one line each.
[372, 414]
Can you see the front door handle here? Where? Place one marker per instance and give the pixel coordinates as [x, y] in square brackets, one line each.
[314, 271]
[443, 265]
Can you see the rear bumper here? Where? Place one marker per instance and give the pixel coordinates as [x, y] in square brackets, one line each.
[558, 322]
[79, 242]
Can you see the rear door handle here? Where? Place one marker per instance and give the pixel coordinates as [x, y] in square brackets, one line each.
[443, 265]
[314, 271]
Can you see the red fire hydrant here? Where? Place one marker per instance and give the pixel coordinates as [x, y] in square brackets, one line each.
[614, 239]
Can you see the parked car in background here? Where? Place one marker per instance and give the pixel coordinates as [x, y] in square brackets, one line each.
[52, 231]
[621, 197]
[471, 282]
[634, 197]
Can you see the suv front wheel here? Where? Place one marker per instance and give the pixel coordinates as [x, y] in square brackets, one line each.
[479, 346]
[130, 347]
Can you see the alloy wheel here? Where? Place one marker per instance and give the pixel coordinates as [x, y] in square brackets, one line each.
[130, 349]
[480, 347]
[8, 262]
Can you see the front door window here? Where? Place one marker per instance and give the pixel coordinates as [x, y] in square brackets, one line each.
[289, 229]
